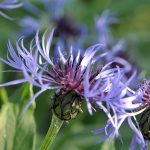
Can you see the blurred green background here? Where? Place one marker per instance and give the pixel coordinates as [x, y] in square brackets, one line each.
[134, 25]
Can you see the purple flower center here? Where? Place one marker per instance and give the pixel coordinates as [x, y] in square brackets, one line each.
[70, 75]
[145, 88]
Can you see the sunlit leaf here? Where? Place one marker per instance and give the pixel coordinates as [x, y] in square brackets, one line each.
[17, 133]
[108, 145]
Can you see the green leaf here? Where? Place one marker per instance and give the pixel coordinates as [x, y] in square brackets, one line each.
[3, 96]
[108, 145]
[17, 133]
[7, 127]
[25, 133]
[22, 96]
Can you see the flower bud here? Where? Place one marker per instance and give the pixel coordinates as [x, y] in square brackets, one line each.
[145, 124]
[66, 106]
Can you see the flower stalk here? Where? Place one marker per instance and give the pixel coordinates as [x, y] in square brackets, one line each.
[148, 144]
[54, 128]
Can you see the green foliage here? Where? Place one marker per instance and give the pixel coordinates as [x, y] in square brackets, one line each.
[17, 132]
[107, 145]
[3, 96]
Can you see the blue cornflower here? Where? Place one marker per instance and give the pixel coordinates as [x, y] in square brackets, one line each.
[103, 27]
[127, 107]
[7, 5]
[144, 90]
[144, 124]
[69, 74]
[119, 102]
[115, 48]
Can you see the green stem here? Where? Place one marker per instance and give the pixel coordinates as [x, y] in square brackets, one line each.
[56, 124]
[148, 144]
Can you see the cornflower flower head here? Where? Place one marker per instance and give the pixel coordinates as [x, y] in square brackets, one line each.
[141, 127]
[70, 75]
[116, 48]
[130, 105]
[103, 27]
[8, 5]
[122, 107]
[145, 90]
[143, 124]
[67, 30]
